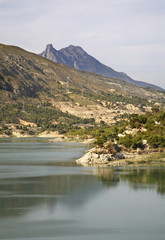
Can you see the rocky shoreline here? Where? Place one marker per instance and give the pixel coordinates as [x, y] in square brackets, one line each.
[113, 155]
[110, 154]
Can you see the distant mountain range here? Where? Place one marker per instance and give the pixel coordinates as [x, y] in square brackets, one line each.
[76, 57]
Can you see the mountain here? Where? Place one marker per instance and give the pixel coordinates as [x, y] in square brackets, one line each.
[76, 57]
[45, 93]
[23, 73]
[39, 97]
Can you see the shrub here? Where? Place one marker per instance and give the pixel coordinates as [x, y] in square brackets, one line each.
[126, 141]
[156, 141]
[100, 140]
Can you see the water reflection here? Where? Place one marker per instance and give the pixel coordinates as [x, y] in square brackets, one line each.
[45, 195]
[137, 177]
[19, 195]
[51, 178]
[149, 177]
[108, 176]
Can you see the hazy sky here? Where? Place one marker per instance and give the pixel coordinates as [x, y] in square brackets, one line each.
[127, 35]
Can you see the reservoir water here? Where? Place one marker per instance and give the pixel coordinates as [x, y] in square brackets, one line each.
[45, 195]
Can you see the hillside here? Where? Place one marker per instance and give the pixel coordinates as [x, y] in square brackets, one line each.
[140, 140]
[26, 74]
[76, 57]
[37, 90]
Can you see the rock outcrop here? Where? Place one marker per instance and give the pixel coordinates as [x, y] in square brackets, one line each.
[101, 155]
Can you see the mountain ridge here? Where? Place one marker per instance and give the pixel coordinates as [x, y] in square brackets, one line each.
[23, 73]
[76, 57]
[31, 81]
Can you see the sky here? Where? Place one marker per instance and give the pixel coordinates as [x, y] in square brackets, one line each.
[126, 35]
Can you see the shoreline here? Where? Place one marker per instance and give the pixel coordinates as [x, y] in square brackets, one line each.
[51, 136]
[92, 159]
[145, 159]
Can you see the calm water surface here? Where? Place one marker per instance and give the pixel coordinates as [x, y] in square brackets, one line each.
[44, 195]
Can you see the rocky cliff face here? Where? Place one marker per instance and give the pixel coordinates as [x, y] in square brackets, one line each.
[76, 57]
[51, 54]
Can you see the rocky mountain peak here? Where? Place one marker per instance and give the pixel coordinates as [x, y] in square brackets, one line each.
[49, 47]
[50, 53]
[75, 47]
[76, 57]
[73, 50]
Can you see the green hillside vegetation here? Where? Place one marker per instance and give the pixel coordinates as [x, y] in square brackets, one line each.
[150, 127]
[44, 116]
